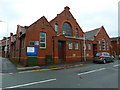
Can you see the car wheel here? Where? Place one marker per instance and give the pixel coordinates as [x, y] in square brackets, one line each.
[112, 60]
[94, 62]
[104, 61]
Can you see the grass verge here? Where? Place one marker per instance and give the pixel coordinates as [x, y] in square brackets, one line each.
[16, 63]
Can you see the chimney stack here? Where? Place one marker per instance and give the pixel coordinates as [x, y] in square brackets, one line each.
[66, 8]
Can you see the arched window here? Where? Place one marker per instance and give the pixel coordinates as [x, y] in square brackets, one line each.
[76, 32]
[66, 29]
[56, 27]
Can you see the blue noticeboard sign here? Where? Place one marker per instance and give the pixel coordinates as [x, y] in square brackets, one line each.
[31, 50]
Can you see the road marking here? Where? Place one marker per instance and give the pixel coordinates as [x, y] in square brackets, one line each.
[116, 65]
[28, 67]
[92, 71]
[30, 83]
[45, 69]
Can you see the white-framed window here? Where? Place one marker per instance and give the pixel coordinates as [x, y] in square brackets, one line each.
[89, 46]
[99, 47]
[76, 45]
[42, 39]
[70, 45]
[103, 44]
[56, 27]
[99, 42]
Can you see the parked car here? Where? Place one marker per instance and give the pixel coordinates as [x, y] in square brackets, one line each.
[119, 57]
[103, 57]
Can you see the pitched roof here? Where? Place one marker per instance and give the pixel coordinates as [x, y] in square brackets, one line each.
[68, 15]
[90, 34]
[114, 38]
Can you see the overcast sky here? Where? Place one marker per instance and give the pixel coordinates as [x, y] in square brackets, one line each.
[90, 14]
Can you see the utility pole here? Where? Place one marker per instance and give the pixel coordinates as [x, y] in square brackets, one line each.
[84, 49]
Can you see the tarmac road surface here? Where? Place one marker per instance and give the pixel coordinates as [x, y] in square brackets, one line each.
[86, 76]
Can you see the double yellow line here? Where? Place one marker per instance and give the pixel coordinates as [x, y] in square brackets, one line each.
[46, 69]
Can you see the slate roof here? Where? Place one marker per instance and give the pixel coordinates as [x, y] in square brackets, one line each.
[114, 38]
[90, 34]
[23, 30]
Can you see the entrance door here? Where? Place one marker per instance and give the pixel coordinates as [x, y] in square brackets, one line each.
[94, 49]
[61, 50]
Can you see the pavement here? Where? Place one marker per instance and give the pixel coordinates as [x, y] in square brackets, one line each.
[54, 66]
[7, 67]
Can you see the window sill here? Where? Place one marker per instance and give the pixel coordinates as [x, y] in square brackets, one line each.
[43, 48]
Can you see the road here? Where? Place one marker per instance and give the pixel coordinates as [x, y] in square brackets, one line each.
[87, 76]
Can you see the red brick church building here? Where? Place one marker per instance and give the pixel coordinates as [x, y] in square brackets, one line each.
[57, 41]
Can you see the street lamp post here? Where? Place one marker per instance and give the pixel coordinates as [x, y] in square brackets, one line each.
[84, 49]
[6, 38]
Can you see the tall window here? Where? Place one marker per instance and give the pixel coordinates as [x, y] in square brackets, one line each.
[66, 28]
[89, 46]
[76, 32]
[42, 40]
[99, 47]
[70, 45]
[56, 27]
[107, 45]
[76, 45]
[103, 44]
[99, 42]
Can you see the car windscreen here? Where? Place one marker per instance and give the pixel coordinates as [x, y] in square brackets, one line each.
[98, 54]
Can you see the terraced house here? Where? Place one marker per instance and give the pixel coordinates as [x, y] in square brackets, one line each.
[57, 41]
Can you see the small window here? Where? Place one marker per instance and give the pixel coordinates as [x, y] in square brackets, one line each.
[56, 27]
[76, 45]
[31, 42]
[70, 45]
[42, 40]
[89, 46]
[76, 33]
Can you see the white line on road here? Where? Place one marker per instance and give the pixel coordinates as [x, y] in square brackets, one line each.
[92, 71]
[31, 83]
[116, 65]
